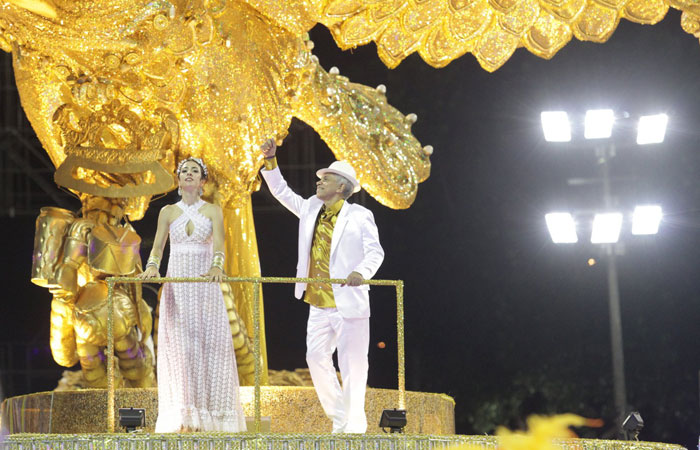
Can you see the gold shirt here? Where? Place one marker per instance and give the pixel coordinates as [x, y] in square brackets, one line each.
[321, 294]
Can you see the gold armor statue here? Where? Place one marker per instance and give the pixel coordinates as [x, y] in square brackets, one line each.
[72, 256]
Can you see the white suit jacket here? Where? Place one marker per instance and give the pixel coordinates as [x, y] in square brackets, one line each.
[354, 246]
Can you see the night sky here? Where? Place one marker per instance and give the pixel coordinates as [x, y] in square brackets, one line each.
[498, 316]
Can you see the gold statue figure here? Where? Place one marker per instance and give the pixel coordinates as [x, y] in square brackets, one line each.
[72, 257]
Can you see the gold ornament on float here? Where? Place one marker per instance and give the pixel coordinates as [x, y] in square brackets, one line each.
[232, 74]
[113, 152]
[114, 249]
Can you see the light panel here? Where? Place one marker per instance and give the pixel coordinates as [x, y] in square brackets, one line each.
[646, 219]
[562, 228]
[651, 129]
[599, 123]
[606, 228]
[556, 126]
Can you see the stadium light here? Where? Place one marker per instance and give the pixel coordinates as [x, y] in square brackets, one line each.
[651, 129]
[606, 228]
[646, 219]
[599, 123]
[562, 228]
[556, 126]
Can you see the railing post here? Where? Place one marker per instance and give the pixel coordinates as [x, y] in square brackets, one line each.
[110, 355]
[400, 344]
[256, 352]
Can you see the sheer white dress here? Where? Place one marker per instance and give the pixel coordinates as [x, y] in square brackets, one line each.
[196, 366]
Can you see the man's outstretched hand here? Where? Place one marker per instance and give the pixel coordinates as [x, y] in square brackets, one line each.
[268, 148]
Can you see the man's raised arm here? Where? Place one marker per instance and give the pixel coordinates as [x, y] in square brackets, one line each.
[273, 177]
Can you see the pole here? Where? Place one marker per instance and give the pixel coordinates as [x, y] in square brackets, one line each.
[256, 352]
[618, 359]
[400, 326]
[110, 356]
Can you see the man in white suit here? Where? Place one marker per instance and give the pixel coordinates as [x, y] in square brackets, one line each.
[337, 239]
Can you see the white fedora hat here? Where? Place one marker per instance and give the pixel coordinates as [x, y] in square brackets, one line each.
[343, 169]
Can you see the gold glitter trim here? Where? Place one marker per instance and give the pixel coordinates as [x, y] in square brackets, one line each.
[292, 441]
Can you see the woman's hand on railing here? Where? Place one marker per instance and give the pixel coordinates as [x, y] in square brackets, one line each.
[150, 272]
[215, 275]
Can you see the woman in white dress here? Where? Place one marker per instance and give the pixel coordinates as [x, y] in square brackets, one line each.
[196, 364]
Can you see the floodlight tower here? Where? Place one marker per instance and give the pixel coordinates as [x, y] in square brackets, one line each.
[608, 224]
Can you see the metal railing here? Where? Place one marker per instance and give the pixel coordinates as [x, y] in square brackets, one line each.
[112, 281]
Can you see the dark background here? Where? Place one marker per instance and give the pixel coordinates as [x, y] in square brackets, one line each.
[497, 316]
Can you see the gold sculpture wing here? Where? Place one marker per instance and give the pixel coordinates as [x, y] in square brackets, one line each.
[361, 127]
[443, 30]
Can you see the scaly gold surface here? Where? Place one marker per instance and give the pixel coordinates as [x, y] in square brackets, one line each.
[491, 30]
[242, 259]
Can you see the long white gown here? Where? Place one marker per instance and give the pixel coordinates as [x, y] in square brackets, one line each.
[196, 366]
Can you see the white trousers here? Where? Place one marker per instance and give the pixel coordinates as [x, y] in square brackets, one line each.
[327, 330]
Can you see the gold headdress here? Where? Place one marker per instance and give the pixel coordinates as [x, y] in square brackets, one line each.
[113, 152]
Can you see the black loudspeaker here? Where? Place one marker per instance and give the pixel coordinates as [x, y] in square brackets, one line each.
[132, 418]
[632, 425]
[394, 419]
